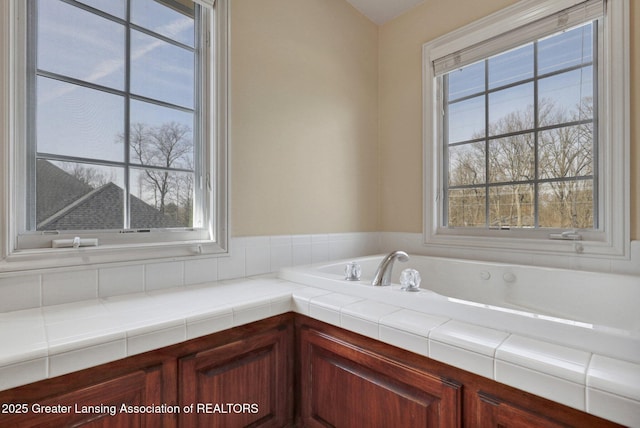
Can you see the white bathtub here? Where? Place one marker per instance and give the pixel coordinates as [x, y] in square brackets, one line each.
[596, 312]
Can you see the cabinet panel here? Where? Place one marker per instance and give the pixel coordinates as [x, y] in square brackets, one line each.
[496, 412]
[99, 405]
[244, 383]
[343, 385]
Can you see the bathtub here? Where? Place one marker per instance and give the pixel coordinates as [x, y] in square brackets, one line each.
[596, 312]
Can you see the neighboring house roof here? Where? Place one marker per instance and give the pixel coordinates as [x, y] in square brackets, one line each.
[66, 203]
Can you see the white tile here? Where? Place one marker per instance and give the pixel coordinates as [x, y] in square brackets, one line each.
[163, 275]
[302, 297]
[281, 304]
[71, 286]
[615, 376]
[258, 259]
[319, 248]
[232, 266]
[23, 373]
[23, 336]
[156, 339]
[412, 321]
[200, 271]
[302, 254]
[74, 312]
[281, 256]
[559, 361]
[327, 307]
[369, 310]
[209, 324]
[73, 335]
[542, 384]
[613, 407]
[20, 292]
[462, 358]
[473, 338]
[405, 340]
[247, 313]
[91, 356]
[120, 280]
[301, 250]
[361, 326]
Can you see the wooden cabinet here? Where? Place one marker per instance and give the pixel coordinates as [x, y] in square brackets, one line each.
[236, 378]
[288, 370]
[348, 380]
[498, 413]
[97, 405]
[345, 385]
[246, 382]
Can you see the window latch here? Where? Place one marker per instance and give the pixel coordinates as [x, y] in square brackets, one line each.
[569, 235]
[76, 242]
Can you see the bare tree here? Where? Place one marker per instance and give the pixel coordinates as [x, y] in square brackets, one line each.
[564, 160]
[88, 175]
[160, 150]
[166, 146]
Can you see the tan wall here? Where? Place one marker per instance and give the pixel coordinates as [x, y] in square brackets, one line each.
[316, 88]
[304, 114]
[401, 105]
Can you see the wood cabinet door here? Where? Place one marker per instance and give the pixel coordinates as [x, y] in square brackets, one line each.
[344, 385]
[245, 382]
[501, 414]
[99, 405]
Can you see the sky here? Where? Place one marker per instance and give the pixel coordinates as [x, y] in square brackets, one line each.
[83, 122]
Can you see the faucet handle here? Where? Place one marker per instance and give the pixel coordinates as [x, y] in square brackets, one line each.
[352, 271]
[410, 280]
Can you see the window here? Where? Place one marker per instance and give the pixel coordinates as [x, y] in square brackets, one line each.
[519, 131]
[120, 135]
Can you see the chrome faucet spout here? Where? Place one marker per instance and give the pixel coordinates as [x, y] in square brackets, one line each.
[383, 274]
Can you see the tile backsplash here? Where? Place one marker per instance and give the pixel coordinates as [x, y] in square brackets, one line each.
[249, 256]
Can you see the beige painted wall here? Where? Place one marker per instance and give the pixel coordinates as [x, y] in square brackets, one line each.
[401, 105]
[317, 89]
[304, 114]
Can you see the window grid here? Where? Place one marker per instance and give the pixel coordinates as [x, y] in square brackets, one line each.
[535, 131]
[126, 93]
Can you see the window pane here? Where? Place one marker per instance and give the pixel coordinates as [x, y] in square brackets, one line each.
[79, 122]
[161, 71]
[466, 81]
[511, 206]
[161, 199]
[112, 7]
[567, 49]
[511, 67]
[79, 44]
[511, 110]
[75, 196]
[467, 164]
[174, 22]
[566, 152]
[161, 136]
[467, 207]
[512, 158]
[566, 204]
[566, 97]
[466, 120]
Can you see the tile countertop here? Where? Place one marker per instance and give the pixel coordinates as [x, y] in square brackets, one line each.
[54, 340]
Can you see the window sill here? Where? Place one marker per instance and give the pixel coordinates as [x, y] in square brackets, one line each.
[48, 258]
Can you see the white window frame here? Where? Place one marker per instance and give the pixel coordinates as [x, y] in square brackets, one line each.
[612, 239]
[211, 239]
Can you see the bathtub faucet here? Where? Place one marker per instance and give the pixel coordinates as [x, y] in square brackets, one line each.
[383, 274]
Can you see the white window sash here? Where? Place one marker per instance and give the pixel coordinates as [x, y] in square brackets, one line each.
[559, 21]
[613, 239]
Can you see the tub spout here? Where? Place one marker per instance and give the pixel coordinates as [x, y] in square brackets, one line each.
[383, 274]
